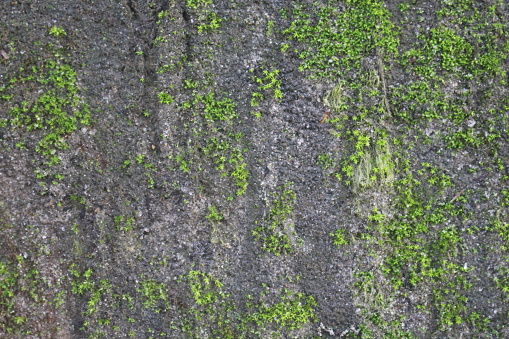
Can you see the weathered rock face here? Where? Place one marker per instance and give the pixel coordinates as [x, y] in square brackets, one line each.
[244, 169]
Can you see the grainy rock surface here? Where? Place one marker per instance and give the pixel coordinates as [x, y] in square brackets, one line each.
[183, 169]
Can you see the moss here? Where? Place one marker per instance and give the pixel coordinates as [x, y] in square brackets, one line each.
[211, 22]
[195, 4]
[83, 284]
[293, 312]
[165, 98]
[155, 295]
[19, 282]
[213, 313]
[214, 215]
[207, 20]
[334, 99]
[218, 143]
[444, 51]
[53, 111]
[338, 237]
[375, 165]
[336, 40]
[417, 256]
[57, 31]
[268, 82]
[275, 232]
[43, 107]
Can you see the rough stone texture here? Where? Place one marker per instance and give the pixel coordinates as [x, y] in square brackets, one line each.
[71, 225]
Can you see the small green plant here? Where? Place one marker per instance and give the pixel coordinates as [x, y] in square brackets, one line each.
[268, 82]
[325, 161]
[270, 28]
[54, 112]
[369, 165]
[183, 165]
[139, 159]
[256, 114]
[217, 110]
[294, 311]
[165, 98]
[158, 40]
[336, 41]
[276, 232]
[214, 215]
[82, 283]
[444, 50]
[8, 282]
[21, 146]
[210, 24]
[123, 224]
[75, 229]
[22, 290]
[207, 21]
[195, 4]
[204, 288]
[405, 6]
[334, 99]
[256, 99]
[338, 237]
[57, 31]
[162, 14]
[502, 279]
[190, 84]
[215, 218]
[211, 314]
[153, 293]
[223, 148]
